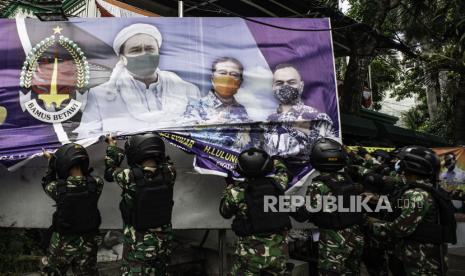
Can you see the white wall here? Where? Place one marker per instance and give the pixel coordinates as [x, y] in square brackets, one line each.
[23, 203]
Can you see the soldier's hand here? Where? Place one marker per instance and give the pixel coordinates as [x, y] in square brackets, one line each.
[46, 154]
[109, 140]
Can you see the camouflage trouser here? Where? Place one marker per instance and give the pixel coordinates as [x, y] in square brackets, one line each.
[421, 258]
[259, 255]
[339, 256]
[145, 253]
[77, 252]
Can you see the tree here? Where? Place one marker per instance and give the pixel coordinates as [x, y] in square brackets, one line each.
[363, 48]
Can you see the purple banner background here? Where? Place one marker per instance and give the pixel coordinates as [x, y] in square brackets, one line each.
[189, 47]
[310, 52]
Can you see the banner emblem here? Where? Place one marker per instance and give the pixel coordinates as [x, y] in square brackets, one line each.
[54, 75]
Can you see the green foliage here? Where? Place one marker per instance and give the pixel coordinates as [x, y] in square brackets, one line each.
[443, 125]
[435, 30]
[411, 83]
[384, 75]
[413, 118]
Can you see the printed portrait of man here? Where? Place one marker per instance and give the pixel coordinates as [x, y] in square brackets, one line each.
[139, 95]
[219, 107]
[295, 126]
[451, 175]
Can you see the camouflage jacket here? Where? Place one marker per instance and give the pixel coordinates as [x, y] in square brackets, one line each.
[49, 182]
[417, 206]
[123, 177]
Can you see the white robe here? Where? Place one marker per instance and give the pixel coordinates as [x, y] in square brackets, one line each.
[124, 105]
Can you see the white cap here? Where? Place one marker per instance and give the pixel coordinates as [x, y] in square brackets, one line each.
[134, 29]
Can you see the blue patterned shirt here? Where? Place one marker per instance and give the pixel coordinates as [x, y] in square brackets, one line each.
[292, 133]
[211, 110]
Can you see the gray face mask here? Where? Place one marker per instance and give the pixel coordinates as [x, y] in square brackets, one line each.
[143, 65]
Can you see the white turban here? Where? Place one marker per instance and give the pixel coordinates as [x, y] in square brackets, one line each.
[132, 30]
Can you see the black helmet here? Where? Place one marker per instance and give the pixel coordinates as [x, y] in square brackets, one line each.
[328, 155]
[419, 160]
[68, 156]
[143, 146]
[381, 155]
[254, 162]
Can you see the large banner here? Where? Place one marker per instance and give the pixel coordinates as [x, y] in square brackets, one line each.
[452, 172]
[211, 86]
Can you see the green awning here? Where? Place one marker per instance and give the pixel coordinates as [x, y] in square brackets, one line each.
[357, 126]
[402, 136]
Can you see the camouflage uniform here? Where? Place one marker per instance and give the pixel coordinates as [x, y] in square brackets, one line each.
[339, 250]
[378, 255]
[417, 258]
[144, 252]
[261, 252]
[76, 251]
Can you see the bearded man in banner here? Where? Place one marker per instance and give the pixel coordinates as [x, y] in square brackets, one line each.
[295, 126]
[220, 107]
[138, 96]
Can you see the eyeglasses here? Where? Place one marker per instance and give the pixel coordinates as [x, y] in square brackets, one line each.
[233, 74]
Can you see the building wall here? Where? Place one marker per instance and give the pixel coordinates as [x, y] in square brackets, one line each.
[23, 203]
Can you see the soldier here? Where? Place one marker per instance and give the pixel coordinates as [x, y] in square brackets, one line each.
[261, 246]
[76, 220]
[341, 237]
[147, 202]
[424, 220]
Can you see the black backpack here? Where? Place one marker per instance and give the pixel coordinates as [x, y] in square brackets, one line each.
[76, 208]
[258, 221]
[338, 220]
[153, 201]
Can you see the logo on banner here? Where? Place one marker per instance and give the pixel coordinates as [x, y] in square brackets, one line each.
[54, 79]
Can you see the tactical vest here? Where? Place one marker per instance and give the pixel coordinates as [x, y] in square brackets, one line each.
[76, 208]
[338, 220]
[152, 203]
[257, 221]
[426, 232]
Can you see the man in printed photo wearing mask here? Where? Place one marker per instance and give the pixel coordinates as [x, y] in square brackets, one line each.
[451, 175]
[295, 126]
[220, 107]
[138, 96]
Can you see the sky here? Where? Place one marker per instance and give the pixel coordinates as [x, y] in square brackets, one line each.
[344, 6]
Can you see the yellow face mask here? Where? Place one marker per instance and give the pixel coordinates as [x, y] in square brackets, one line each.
[225, 86]
[3, 114]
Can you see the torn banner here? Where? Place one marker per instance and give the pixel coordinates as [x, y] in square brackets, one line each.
[211, 86]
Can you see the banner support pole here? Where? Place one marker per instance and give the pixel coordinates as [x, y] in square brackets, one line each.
[221, 241]
[180, 9]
